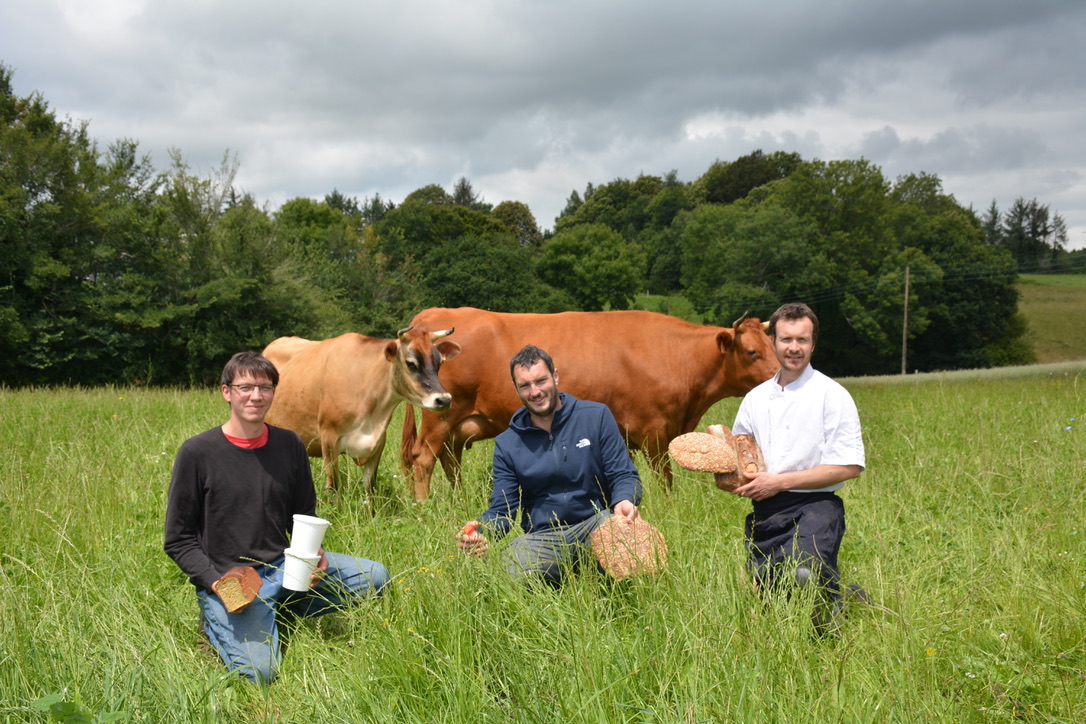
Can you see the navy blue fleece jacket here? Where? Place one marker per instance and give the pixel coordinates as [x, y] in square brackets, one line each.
[562, 477]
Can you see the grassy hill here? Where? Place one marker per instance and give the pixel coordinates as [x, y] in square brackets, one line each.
[1055, 308]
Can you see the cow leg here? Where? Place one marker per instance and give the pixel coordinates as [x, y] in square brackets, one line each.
[460, 438]
[423, 458]
[331, 472]
[369, 467]
[422, 468]
[330, 453]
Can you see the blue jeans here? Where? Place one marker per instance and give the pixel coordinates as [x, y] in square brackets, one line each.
[551, 551]
[248, 641]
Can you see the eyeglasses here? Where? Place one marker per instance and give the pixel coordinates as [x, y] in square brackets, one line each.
[248, 389]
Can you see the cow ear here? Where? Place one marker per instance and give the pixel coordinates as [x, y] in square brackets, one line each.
[391, 350]
[448, 350]
[725, 340]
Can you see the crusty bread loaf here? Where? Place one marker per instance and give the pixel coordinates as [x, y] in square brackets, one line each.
[703, 452]
[730, 480]
[718, 451]
[626, 548]
[238, 587]
[748, 454]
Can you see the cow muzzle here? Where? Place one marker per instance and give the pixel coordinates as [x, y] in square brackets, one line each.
[438, 401]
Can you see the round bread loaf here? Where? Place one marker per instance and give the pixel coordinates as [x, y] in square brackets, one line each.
[626, 548]
[703, 452]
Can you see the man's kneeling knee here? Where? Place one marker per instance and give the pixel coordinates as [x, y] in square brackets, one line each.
[803, 576]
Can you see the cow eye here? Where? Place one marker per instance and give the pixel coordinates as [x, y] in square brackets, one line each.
[411, 365]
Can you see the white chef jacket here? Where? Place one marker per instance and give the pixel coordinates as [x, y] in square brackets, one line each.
[812, 421]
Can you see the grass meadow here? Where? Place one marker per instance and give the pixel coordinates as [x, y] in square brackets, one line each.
[967, 531]
[1055, 305]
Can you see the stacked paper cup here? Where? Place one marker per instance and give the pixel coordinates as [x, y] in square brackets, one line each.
[304, 552]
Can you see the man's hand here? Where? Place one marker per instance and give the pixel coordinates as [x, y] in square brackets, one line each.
[760, 485]
[627, 510]
[318, 573]
[471, 541]
[237, 588]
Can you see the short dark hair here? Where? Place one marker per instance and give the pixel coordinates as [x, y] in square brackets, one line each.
[791, 311]
[256, 364]
[528, 356]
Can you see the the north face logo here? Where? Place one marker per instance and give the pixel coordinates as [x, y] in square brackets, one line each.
[584, 442]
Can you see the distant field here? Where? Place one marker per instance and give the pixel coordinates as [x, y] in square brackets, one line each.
[1054, 306]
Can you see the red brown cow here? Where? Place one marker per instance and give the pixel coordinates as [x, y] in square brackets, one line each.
[658, 374]
[339, 394]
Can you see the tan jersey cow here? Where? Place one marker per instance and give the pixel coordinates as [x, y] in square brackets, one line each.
[658, 374]
[338, 394]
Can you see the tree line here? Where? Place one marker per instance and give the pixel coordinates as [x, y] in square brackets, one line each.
[116, 272]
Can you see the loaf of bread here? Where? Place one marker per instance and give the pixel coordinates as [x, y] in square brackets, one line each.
[238, 587]
[748, 460]
[718, 451]
[628, 548]
[748, 454]
[703, 452]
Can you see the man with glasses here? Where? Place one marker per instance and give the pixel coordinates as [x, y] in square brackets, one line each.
[233, 494]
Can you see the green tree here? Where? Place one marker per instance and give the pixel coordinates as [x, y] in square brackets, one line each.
[432, 194]
[518, 219]
[660, 236]
[1033, 235]
[492, 272]
[373, 210]
[74, 225]
[622, 205]
[463, 194]
[970, 300]
[840, 238]
[726, 182]
[594, 265]
[992, 224]
[425, 220]
[745, 257]
[348, 206]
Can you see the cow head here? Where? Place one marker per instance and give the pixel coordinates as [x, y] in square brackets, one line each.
[748, 355]
[415, 361]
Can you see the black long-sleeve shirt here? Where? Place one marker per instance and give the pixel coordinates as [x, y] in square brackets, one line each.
[231, 506]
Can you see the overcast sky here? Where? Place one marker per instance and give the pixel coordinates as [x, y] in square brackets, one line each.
[531, 99]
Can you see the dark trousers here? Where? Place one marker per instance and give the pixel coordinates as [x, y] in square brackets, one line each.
[795, 530]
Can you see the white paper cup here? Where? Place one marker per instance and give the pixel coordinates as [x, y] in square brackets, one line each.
[298, 570]
[308, 533]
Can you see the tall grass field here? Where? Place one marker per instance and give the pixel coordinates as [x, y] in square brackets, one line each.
[966, 531]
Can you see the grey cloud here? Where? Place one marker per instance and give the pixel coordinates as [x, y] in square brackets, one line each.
[387, 96]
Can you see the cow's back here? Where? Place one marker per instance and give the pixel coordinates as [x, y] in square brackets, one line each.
[282, 350]
[652, 370]
[319, 382]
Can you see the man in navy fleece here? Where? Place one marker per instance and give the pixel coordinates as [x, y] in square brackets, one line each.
[561, 469]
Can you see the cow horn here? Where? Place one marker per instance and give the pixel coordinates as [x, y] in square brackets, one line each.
[404, 331]
[742, 316]
[444, 333]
